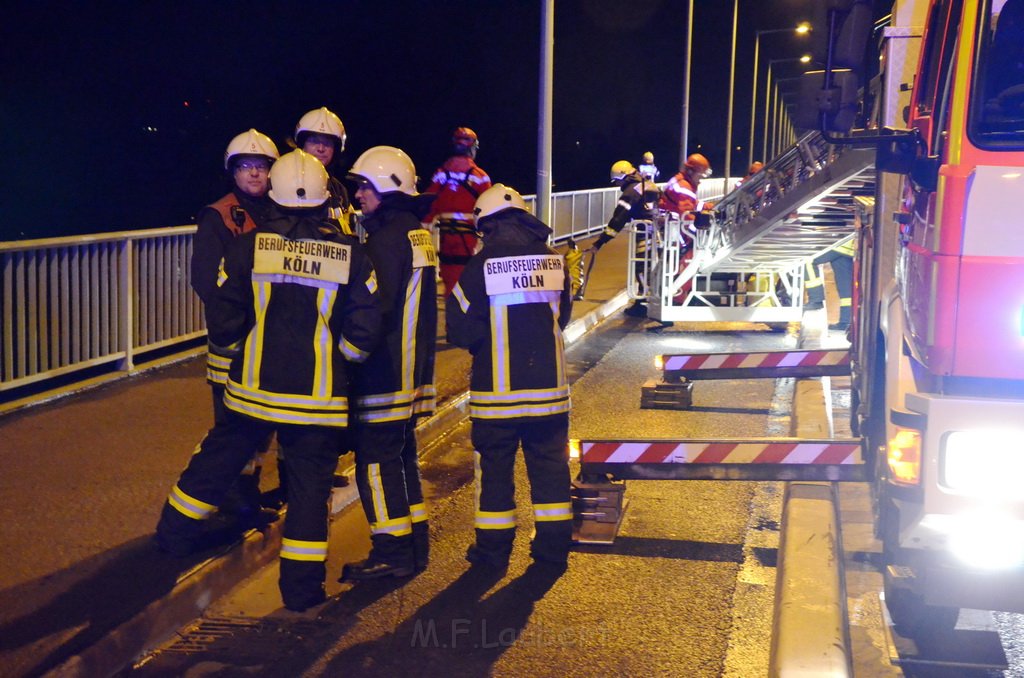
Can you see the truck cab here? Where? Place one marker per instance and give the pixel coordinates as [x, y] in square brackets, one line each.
[947, 421]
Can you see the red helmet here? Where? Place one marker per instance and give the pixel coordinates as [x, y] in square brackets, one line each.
[465, 141]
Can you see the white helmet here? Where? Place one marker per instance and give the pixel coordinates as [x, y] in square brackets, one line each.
[298, 179]
[497, 198]
[388, 168]
[250, 143]
[320, 121]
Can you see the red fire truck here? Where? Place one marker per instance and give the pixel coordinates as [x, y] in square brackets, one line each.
[938, 333]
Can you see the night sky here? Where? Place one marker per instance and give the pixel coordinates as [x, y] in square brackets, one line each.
[115, 115]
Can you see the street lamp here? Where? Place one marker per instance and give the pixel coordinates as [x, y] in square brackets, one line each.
[805, 59]
[802, 29]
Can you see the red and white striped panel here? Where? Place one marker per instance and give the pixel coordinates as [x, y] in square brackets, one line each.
[712, 361]
[708, 452]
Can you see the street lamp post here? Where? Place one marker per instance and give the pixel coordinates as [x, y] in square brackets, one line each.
[767, 93]
[802, 29]
[732, 86]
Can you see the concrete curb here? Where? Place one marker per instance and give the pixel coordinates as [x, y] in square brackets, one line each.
[159, 620]
[213, 578]
[810, 633]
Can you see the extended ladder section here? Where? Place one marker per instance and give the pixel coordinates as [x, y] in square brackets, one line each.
[747, 264]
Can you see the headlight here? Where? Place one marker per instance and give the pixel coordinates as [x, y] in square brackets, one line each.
[987, 540]
[986, 462]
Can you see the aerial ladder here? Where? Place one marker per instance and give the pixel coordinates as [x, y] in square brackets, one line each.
[745, 260]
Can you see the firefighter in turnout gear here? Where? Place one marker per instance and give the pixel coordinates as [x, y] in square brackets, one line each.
[457, 184]
[648, 168]
[297, 301]
[840, 258]
[247, 159]
[395, 386]
[508, 309]
[638, 200]
[321, 133]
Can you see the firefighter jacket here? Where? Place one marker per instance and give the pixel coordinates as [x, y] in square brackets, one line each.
[846, 247]
[508, 309]
[638, 200]
[680, 195]
[340, 208]
[457, 184]
[296, 303]
[218, 225]
[396, 382]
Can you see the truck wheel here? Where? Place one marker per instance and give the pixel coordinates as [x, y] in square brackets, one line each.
[912, 617]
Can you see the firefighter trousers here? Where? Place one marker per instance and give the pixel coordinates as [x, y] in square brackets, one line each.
[244, 494]
[388, 478]
[223, 453]
[544, 441]
[458, 243]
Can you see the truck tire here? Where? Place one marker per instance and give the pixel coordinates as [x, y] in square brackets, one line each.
[912, 617]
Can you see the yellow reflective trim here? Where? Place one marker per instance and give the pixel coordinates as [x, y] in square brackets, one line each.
[845, 301]
[418, 512]
[495, 520]
[189, 505]
[309, 551]
[380, 507]
[222, 276]
[460, 296]
[371, 282]
[285, 415]
[411, 313]
[323, 379]
[964, 64]
[253, 359]
[500, 378]
[567, 505]
[398, 527]
[552, 512]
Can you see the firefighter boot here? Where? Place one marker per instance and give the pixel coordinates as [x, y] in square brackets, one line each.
[177, 534]
[390, 556]
[844, 320]
[250, 512]
[552, 542]
[492, 549]
[421, 545]
[637, 310]
[276, 498]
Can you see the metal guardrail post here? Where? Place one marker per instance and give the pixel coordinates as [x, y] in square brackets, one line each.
[126, 304]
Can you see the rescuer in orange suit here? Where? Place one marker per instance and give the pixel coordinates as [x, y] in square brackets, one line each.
[248, 159]
[296, 304]
[680, 194]
[457, 183]
[680, 197]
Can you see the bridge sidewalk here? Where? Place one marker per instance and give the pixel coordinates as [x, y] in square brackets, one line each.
[83, 482]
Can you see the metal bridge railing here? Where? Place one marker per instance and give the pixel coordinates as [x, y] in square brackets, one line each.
[112, 300]
[69, 304]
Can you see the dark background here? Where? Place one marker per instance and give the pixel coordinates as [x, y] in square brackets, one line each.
[115, 115]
